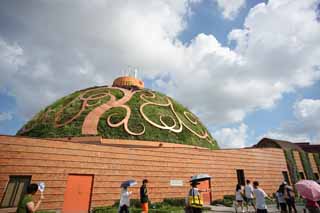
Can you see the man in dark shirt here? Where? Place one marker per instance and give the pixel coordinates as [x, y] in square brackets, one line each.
[144, 196]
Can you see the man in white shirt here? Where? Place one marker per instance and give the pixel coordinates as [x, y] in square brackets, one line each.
[248, 193]
[260, 198]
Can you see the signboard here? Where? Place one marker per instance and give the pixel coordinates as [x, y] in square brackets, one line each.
[176, 182]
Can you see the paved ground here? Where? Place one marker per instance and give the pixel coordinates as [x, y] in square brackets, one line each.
[223, 209]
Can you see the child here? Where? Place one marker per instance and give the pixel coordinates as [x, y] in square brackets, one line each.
[239, 198]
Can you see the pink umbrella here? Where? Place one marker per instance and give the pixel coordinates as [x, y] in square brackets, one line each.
[309, 189]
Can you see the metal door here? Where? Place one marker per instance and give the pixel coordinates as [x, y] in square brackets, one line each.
[78, 194]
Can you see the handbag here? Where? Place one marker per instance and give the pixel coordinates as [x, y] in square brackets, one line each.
[195, 201]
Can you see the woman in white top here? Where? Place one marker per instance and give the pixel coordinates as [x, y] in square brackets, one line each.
[239, 198]
[124, 200]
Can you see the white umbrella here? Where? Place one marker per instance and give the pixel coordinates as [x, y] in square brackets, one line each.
[200, 177]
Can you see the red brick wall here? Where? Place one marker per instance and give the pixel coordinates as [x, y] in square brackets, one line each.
[51, 161]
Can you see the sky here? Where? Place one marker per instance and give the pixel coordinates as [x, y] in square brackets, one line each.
[247, 68]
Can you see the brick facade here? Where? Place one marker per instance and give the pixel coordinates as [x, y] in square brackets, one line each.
[51, 161]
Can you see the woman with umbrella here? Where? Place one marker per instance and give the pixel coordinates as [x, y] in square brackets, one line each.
[310, 191]
[125, 196]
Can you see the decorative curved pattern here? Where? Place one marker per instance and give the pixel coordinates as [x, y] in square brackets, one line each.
[90, 124]
[85, 104]
[97, 94]
[81, 112]
[177, 127]
[124, 122]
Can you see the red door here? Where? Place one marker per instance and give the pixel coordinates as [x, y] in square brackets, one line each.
[205, 195]
[78, 193]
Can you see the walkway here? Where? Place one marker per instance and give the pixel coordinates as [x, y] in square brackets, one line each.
[224, 209]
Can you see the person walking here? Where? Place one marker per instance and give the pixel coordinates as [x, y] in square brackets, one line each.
[194, 201]
[144, 196]
[239, 198]
[260, 198]
[248, 195]
[124, 200]
[289, 197]
[281, 202]
[26, 204]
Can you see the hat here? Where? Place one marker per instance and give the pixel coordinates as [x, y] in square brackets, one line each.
[284, 183]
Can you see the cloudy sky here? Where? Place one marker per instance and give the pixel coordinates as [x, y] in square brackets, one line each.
[248, 68]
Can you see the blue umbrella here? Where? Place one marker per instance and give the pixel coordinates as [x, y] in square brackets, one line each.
[128, 183]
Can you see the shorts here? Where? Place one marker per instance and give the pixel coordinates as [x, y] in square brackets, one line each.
[262, 211]
[249, 201]
[144, 207]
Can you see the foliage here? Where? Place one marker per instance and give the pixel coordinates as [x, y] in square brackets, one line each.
[226, 201]
[46, 211]
[306, 165]
[174, 201]
[44, 124]
[316, 157]
[292, 166]
[153, 208]
[173, 205]
[152, 133]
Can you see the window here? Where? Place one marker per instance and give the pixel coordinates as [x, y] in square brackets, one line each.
[286, 177]
[316, 175]
[240, 176]
[16, 187]
[301, 176]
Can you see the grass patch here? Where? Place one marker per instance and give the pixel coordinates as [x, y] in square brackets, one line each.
[43, 124]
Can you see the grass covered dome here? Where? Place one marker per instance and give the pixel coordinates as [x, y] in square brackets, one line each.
[126, 112]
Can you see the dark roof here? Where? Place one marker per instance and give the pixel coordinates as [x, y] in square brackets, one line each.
[286, 145]
[307, 147]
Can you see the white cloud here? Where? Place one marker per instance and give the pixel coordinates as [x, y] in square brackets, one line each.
[53, 48]
[232, 137]
[230, 8]
[285, 134]
[308, 111]
[276, 52]
[5, 116]
[306, 127]
[58, 47]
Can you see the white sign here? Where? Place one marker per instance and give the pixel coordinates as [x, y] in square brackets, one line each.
[176, 182]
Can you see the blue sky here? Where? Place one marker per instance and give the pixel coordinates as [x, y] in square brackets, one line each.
[248, 69]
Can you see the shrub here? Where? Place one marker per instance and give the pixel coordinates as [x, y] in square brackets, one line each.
[226, 201]
[174, 201]
[216, 202]
[105, 209]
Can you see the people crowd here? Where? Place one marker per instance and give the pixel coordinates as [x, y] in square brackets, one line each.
[244, 197]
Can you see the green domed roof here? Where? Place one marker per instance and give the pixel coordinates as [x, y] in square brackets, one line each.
[119, 113]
